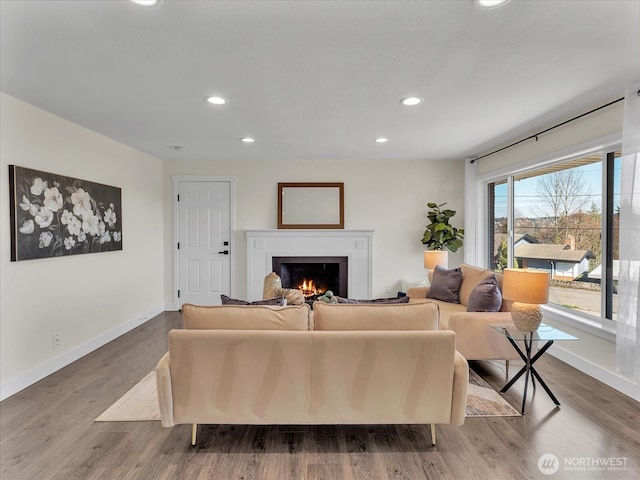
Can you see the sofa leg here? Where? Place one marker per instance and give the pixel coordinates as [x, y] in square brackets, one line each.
[433, 434]
[194, 432]
[506, 365]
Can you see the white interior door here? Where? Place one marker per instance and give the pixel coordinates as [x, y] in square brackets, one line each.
[204, 233]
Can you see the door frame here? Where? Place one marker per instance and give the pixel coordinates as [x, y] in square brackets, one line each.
[176, 179]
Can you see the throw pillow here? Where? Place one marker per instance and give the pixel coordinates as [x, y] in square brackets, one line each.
[485, 296]
[346, 300]
[271, 301]
[281, 301]
[445, 285]
[404, 299]
[232, 301]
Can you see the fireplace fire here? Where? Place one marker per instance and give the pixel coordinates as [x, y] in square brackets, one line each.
[313, 275]
[309, 289]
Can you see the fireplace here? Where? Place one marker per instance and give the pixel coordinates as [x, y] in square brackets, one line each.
[354, 245]
[313, 275]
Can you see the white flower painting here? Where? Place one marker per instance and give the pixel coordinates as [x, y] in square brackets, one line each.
[53, 215]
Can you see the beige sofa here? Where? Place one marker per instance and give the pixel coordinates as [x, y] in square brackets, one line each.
[363, 364]
[475, 340]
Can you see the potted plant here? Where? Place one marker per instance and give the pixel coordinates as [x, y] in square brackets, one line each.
[440, 234]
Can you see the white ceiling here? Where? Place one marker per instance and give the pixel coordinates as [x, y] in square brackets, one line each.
[313, 80]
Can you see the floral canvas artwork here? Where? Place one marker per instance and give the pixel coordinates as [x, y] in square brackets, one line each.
[53, 215]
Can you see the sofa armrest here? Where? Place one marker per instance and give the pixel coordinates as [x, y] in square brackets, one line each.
[417, 293]
[165, 394]
[459, 394]
[475, 340]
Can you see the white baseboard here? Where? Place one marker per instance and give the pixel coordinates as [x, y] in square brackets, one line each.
[607, 377]
[13, 386]
[171, 307]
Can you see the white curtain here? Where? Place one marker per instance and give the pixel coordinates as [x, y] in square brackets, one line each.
[471, 214]
[628, 335]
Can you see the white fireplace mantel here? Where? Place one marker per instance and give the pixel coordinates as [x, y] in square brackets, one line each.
[356, 245]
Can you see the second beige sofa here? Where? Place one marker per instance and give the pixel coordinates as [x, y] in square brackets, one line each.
[475, 340]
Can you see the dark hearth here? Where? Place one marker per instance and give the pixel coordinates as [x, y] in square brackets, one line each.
[313, 275]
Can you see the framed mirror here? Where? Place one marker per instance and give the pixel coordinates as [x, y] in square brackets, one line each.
[311, 205]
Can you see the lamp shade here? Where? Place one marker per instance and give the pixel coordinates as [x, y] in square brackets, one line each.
[526, 286]
[436, 257]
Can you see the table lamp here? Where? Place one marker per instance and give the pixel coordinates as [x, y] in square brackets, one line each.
[528, 289]
[433, 258]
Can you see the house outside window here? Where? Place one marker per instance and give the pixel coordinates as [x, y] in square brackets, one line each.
[562, 218]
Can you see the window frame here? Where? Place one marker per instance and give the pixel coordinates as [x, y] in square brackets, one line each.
[600, 326]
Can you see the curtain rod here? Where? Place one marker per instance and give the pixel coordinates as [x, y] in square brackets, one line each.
[549, 129]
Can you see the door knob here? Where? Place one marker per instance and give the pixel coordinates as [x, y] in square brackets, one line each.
[224, 252]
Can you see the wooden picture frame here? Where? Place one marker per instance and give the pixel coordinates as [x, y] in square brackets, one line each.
[311, 205]
[53, 215]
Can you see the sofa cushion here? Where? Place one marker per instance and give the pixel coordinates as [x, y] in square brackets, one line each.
[485, 296]
[376, 316]
[245, 317]
[445, 285]
[271, 301]
[446, 310]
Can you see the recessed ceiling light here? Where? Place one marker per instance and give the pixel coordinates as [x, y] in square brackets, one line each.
[411, 101]
[491, 3]
[380, 140]
[147, 3]
[247, 140]
[215, 100]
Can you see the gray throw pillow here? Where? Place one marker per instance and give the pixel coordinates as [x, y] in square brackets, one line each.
[404, 299]
[346, 300]
[387, 300]
[279, 301]
[232, 301]
[445, 285]
[485, 296]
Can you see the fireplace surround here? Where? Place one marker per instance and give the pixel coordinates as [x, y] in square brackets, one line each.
[354, 246]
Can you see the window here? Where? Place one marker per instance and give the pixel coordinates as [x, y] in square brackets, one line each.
[498, 240]
[562, 218]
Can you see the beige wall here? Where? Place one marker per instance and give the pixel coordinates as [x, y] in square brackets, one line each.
[388, 197]
[86, 299]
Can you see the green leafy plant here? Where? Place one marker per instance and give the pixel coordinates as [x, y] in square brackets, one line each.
[501, 261]
[439, 233]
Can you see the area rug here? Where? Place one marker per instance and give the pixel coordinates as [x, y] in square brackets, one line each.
[141, 404]
[137, 405]
[484, 401]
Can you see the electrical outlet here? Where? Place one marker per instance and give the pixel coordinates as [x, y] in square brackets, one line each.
[56, 340]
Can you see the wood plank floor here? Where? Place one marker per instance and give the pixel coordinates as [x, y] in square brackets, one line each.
[48, 432]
